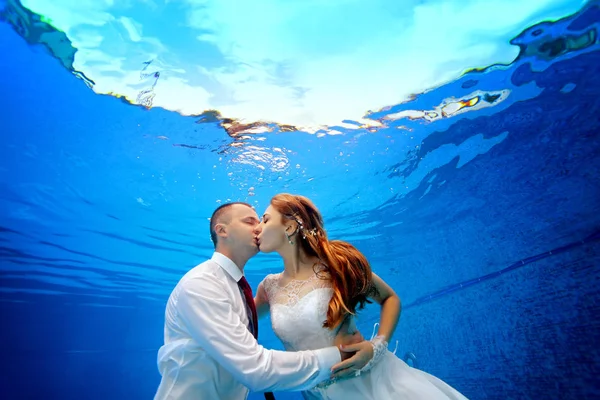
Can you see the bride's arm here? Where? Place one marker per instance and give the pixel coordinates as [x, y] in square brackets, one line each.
[390, 314]
[261, 300]
[391, 307]
[352, 340]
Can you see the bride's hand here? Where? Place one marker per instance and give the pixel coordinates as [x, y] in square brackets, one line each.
[363, 354]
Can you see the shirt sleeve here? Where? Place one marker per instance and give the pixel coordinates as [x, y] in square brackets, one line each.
[207, 312]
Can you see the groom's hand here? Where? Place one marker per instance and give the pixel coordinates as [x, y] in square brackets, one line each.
[354, 357]
[347, 338]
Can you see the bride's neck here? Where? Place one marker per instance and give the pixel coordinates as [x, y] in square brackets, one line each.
[296, 264]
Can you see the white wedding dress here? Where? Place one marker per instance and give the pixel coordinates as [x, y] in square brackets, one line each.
[298, 311]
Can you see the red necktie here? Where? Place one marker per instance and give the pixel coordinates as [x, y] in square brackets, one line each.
[247, 290]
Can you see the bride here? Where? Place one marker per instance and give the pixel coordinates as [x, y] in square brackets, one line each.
[313, 301]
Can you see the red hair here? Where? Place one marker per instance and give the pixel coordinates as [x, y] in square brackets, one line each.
[348, 269]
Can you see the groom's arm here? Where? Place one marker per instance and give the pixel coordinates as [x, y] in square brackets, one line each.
[207, 312]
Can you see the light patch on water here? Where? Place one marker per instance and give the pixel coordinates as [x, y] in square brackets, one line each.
[569, 87]
[33, 291]
[453, 107]
[393, 224]
[41, 271]
[263, 158]
[52, 280]
[23, 213]
[466, 151]
[3, 300]
[307, 64]
[161, 299]
[356, 238]
[101, 305]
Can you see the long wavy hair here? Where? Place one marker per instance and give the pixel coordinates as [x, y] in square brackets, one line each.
[346, 267]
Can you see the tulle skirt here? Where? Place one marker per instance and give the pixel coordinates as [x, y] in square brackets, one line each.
[391, 378]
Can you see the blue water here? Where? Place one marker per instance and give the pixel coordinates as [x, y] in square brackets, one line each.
[486, 223]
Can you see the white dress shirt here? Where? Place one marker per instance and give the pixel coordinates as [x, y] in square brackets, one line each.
[209, 353]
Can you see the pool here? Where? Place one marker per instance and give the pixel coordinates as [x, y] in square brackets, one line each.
[476, 199]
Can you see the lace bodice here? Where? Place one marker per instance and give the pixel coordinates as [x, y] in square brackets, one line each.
[298, 310]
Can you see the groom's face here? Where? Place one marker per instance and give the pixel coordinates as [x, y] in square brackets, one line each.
[241, 228]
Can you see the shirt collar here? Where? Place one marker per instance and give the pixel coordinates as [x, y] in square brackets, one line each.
[228, 265]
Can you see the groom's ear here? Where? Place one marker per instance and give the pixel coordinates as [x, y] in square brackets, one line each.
[221, 230]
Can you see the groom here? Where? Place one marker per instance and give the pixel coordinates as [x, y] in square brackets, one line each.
[210, 349]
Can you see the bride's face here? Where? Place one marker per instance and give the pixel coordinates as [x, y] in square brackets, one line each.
[271, 236]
